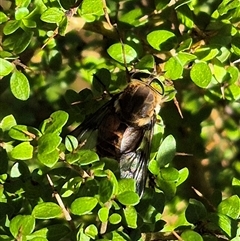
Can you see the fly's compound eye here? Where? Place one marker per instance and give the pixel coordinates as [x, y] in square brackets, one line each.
[157, 85]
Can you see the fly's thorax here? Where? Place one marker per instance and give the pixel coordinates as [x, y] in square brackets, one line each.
[138, 103]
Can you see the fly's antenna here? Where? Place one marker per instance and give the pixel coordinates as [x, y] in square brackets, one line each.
[123, 53]
[102, 84]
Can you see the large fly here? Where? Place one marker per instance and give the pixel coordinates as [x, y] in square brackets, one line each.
[124, 127]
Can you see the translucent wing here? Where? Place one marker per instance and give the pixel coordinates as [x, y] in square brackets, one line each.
[134, 164]
[87, 131]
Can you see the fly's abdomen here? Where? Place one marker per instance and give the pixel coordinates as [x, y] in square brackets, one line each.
[116, 137]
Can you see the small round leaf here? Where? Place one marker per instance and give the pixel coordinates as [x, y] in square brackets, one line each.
[47, 210]
[52, 15]
[130, 214]
[201, 74]
[6, 67]
[115, 218]
[48, 143]
[19, 85]
[166, 151]
[23, 224]
[48, 159]
[3, 17]
[23, 133]
[83, 205]
[103, 214]
[20, 13]
[162, 40]
[116, 52]
[190, 235]
[128, 198]
[7, 122]
[23, 151]
[11, 26]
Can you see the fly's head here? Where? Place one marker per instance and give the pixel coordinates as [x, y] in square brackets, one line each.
[141, 100]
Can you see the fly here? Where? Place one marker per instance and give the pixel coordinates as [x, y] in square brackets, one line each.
[124, 127]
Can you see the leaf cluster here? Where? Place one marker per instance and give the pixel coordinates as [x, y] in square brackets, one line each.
[50, 187]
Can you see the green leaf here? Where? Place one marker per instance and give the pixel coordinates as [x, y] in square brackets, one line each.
[103, 214]
[186, 16]
[23, 40]
[112, 178]
[185, 58]
[162, 40]
[115, 218]
[232, 92]
[166, 151]
[48, 143]
[3, 17]
[190, 235]
[22, 151]
[71, 143]
[52, 15]
[161, 4]
[7, 123]
[127, 184]
[71, 186]
[230, 207]
[128, 198]
[185, 45]
[219, 70]
[87, 157]
[201, 74]
[55, 122]
[22, 224]
[146, 62]
[236, 185]
[195, 211]
[83, 205]
[19, 169]
[173, 68]
[6, 67]
[130, 214]
[151, 205]
[169, 174]
[29, 23]
[207, 53]
[105, 190]
[226, 224]
[19, 85]
[234, 73]
[82, 235]
[72, 157]
[91, 231]
[11, 26]
[169, 188]
[23, 133]
[116, 52]
[48, 159]
[51, 232]
[22, 3]
[47, 210]
[133, 17]
[183, 175]
[20, 13]
[91, 10]
[63, 26]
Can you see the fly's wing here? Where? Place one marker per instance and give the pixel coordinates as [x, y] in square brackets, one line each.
[87, 131]
[134, 164]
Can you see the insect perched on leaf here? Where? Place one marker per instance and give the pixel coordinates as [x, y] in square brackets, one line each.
[123, 127]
